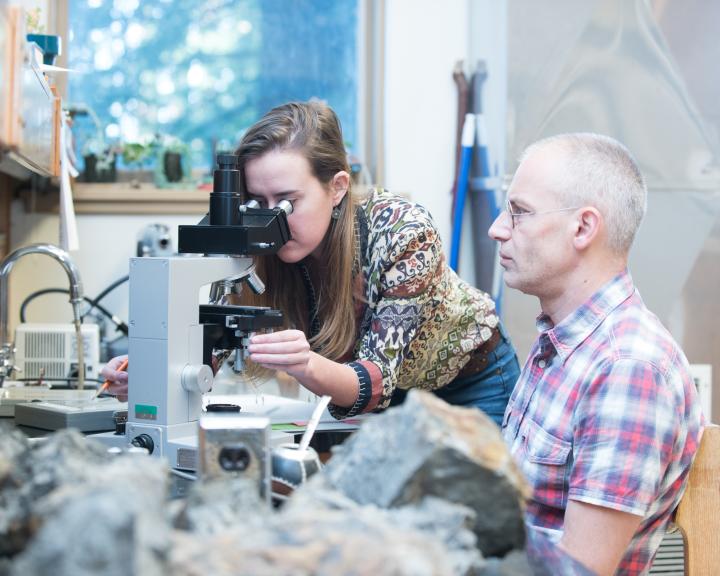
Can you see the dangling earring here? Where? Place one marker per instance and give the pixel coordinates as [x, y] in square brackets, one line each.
[336, 209]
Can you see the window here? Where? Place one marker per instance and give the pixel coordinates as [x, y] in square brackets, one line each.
[200, 72]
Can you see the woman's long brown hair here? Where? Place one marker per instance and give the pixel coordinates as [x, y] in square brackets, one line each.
[312, 129]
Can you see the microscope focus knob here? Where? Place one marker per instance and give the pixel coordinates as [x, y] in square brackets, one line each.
[197, 378]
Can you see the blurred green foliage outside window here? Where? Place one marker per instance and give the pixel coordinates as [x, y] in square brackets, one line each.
[201, 72]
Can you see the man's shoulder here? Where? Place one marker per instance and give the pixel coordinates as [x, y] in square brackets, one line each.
[634, 332]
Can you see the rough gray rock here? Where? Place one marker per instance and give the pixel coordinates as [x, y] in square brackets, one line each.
[86, 512]
[114, 532]
[448, 524]
[427, 447]
[215, 506]
[29, 472]
[413, 492]
[234, 533]
[443, 522]
[321, 540]
[15, 529]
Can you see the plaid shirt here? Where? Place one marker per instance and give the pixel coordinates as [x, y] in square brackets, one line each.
[605, 412]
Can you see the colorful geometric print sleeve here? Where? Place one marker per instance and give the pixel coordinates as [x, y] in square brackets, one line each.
[627, 428]
[405, 260]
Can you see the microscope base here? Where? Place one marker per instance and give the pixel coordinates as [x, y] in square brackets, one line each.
[177, 444]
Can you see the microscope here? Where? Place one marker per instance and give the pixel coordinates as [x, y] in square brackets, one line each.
[172, 337]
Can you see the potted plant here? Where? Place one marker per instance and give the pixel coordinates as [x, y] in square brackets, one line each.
[100, 162]
[136, 156]
[172, 168]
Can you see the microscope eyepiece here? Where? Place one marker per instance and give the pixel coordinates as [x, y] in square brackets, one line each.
[227, 191]
[227, 162]
[286, 206]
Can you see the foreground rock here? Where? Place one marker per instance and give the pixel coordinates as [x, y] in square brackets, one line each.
[427, 447]
[351, 540]
[421, 489]
[69, 507]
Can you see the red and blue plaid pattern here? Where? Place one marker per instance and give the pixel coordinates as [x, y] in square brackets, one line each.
[605, 412]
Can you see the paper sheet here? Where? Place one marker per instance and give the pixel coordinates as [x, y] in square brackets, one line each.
[280, 410]
[69, 239]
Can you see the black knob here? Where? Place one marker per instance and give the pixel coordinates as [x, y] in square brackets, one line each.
[222, 408]
[144, 441]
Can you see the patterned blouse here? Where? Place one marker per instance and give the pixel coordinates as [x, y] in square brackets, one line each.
[421, 322]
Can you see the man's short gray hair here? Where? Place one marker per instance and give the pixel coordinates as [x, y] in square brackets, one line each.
[601, 172]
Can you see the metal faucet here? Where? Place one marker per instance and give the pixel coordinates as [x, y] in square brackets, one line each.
[7, 349]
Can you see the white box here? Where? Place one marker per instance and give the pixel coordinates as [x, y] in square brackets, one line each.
[53, 347]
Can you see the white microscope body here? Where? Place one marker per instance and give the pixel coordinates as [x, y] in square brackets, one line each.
[167, 376]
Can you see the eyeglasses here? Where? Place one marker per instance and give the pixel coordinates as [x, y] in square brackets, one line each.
[513, 214]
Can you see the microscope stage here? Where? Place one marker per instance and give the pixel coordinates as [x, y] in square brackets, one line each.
[14, 393]
[86, 415]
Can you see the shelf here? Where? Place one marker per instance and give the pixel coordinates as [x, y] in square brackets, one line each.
[18, 166]
[29, 109]
[122, 198]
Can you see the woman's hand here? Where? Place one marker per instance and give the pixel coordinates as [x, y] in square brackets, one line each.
[286, 350]
[289, 351]
[116, 374]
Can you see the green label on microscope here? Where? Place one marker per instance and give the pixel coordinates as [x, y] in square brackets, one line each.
[145, 412]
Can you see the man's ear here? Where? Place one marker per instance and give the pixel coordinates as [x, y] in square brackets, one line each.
[339, 186]
[587, 227]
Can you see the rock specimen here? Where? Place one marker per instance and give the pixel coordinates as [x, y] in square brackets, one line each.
[314, 538]
[427, 447]
[67, 506]
[422, 489]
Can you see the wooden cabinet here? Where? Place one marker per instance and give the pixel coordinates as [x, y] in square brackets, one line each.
[30, 115]
[29, 110]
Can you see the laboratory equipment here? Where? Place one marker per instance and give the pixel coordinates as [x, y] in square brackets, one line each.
[7, 349]
[49, 351]
[73, 409]
[154, 240]
[172, 337]
[233, 446]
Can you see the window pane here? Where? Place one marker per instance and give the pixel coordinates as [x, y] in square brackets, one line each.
[203, 71]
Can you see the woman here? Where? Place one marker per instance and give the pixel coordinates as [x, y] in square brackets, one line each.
[371, 306]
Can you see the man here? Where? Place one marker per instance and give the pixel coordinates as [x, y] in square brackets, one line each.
[604, 419]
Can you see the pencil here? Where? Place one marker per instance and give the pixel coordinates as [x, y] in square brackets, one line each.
[106, 384]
